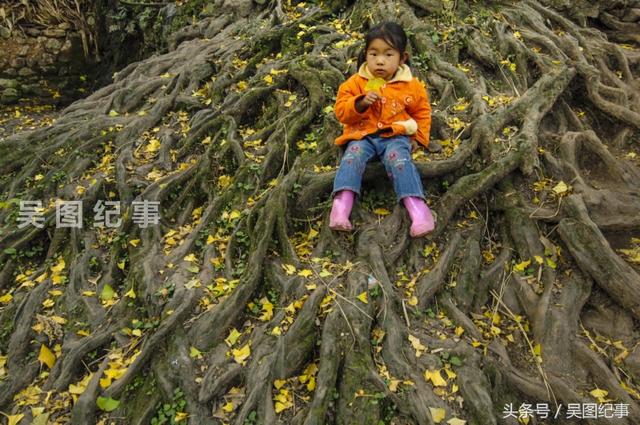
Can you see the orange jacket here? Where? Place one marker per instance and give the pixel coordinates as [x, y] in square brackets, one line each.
[403, 109]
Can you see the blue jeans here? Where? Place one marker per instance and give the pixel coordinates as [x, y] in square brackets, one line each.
[395, 154]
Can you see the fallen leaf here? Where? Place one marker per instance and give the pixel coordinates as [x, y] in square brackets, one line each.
[435, 378]
[107, 292]
[437, 414]
[46, 356]
[289, 269]
[381, 211]
[241, 355]
[305, 273]
[180, 416]
[363, 297]
[561, 188]
[194, 353]
[13, 419]
[107, 404]
[417, 345]
[520, 267]
[600, 395]
[233, 337]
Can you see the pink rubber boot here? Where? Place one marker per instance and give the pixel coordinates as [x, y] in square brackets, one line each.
[340, 210]
[421, 219]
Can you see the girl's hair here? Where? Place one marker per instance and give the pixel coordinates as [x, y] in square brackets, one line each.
[391, 32]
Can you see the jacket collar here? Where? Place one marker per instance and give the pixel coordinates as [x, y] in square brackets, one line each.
[402, 74]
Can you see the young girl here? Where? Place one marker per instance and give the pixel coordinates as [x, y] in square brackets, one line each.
[382, 107]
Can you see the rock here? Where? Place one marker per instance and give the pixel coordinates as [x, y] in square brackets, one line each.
[8, 84]
[33, 32]
[17, 63]
[5, 32]
[46, 59]
[24, 51]
[49, 69]
[53, 45]
[11, 72]
[34, 90]
[9, 96]
[25, 72]
[55, 33]
[32, 61]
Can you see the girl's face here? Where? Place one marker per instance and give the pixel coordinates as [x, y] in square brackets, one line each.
[383, 60]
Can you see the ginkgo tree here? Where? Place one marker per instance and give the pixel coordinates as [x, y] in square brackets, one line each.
[241, 306]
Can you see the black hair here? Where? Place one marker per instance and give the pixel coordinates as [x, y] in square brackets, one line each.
[391, 32]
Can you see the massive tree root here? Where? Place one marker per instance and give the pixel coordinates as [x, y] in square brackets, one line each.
[241, 306]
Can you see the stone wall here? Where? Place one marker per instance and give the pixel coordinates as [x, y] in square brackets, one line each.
[45, 63]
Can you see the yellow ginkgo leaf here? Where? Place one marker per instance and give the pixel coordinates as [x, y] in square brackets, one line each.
[537, 350]
[305, 273]
[131, 294]
[375, 84]
[13, 419]
[194, 353]
[58, 267]
[242, 354]
[180, 416]
[520, 267]
[281, 406]
[134, 242]
[600, 395]
[228, 407]
[278, 383]
[417, 345]
[456, 421]
[561, 188]
[233, 337]
[267, 309]
[363, 297]
[381, 211]
[289, 269]
[46, 356]
[325, 273]
[437, 414]
[435, 378]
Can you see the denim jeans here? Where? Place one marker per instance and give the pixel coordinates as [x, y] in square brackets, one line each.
[395, 154]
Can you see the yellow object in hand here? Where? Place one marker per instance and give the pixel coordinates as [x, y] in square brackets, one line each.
[375, 84]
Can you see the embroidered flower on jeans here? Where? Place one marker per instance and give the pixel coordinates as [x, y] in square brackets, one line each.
[355, 149]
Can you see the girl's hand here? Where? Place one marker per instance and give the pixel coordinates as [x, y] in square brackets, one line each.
[369, 99]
